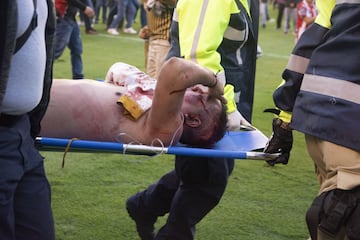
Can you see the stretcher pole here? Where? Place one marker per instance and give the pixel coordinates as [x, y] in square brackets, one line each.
[56, 144]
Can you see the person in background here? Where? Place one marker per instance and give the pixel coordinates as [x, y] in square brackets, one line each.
[159, 15]
[116, 16]
[264, 12]
[112, 5]
[136, 4]
[290, 12]
[101, 5]
[280, 4]
[144, 31]
[68, 34]
[223, 39]
[306, 14]
[27, 30]
[143, 20]
[320, 97]
[130, 15]
[120, 7]
[88, 21]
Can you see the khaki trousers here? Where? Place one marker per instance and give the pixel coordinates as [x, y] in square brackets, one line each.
[158, 50]
[335, 167]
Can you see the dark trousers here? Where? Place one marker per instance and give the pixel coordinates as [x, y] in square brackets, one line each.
[281, 8]
[25, 211]
[188, 194]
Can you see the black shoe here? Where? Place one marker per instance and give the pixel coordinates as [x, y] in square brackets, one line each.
[91, 31]
[144, 221]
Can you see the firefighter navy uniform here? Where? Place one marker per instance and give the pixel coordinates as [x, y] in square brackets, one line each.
[321, 98]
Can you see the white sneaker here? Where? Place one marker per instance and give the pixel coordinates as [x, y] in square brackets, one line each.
[113, 31]
[129, 30]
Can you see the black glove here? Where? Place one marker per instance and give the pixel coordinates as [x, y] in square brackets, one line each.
[281, 141]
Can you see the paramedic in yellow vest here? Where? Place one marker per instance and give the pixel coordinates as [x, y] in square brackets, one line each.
[225, 44]
[222, 36]
[320, 97]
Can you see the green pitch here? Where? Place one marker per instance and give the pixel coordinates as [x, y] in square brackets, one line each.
[260, 203]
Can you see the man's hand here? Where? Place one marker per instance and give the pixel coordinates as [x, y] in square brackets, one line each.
[144, 33]
[280, 141]
[89, 12]
[217, 90]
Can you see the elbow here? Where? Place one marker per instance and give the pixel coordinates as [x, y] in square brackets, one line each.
[173, 60]
[172, 64]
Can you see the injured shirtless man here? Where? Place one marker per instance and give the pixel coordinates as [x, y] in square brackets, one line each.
[128, 108]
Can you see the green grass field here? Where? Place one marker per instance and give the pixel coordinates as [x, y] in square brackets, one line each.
[260, 203]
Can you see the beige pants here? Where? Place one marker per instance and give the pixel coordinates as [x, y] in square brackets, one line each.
[158, 50]
[335, 167]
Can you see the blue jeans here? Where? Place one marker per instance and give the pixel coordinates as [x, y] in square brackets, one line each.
[68, 34]
[143, 20]
[101, 4]
[121, 6]
[130, 14]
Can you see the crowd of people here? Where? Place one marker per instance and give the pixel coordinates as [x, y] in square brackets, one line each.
[295, 14]
[156, 17]
[116, 14]
[200, 81]
[291, 14]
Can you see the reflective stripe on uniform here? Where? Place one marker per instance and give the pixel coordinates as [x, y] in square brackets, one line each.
[348, 1]
[297, 64]
[200, 23]
[199, 43]
[236, 34]
[332, 87]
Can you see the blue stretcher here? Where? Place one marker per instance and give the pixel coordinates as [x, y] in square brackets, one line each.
[246, 144]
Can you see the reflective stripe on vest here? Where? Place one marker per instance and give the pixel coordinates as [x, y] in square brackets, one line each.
[348, 1]
[332, 87]
[199, 42]
[194, 47]
[297, 64]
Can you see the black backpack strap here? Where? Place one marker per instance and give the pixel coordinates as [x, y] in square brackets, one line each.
[20, 41]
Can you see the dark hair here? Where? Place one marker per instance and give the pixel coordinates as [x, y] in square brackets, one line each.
[202, 137]
[219, 126]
